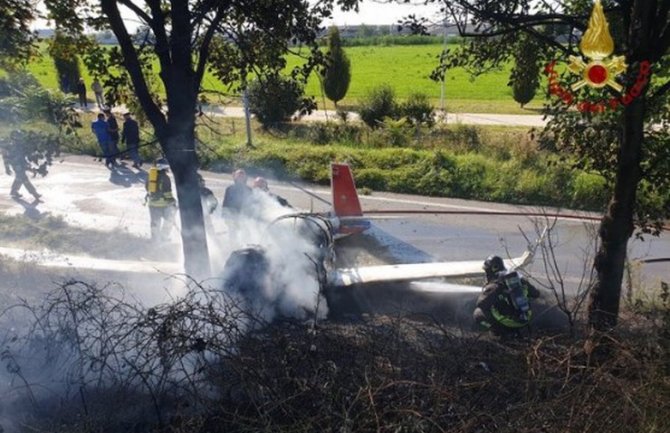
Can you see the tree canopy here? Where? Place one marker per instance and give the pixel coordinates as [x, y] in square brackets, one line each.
[16, 39]
[625, 138]
[337, 76]
[233, 38]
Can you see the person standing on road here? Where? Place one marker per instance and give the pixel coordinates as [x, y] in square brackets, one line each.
[504, 305]
[113, 128]
[97, 89]
[237, 194]
[234, 204]
[81, 92]
[261, 185]
[14, 158]
[162, 205]
[131, 137]
[101, 131]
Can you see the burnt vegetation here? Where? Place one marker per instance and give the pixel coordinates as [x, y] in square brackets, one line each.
[95, 360]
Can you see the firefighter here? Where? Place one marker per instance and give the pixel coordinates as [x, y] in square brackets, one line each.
[162, 205]
[504, 305]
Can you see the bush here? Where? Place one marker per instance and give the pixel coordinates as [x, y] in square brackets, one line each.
[470, 175]
[589, 190]
[372, 178]
[275, 99]
[464, 138]
[418, 110]
[394, 133]
[377, 104]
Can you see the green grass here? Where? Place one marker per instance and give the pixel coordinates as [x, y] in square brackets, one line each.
[406, 68]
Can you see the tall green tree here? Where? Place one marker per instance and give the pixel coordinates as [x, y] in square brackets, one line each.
[16, 39]
[628, 144]
[232, 37]
[63, 50]
[524, 77]
[337, 75]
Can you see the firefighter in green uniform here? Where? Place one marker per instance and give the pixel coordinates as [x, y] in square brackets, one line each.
[504, 305]
[162, 205]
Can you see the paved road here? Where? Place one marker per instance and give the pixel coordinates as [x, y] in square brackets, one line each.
[86, 194]
[462, 118]
[530, 120]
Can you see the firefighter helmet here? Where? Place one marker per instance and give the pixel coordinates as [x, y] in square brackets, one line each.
[162, 164]
[493, 265]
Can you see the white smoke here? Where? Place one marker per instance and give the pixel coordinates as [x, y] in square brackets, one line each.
[291, 289]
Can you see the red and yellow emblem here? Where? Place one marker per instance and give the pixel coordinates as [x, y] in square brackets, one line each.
[597, 45]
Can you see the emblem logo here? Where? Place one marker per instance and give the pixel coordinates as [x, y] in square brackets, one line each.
[600, 70]
[597, 45]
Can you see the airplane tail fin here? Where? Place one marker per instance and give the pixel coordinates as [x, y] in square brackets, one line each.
[345, 196]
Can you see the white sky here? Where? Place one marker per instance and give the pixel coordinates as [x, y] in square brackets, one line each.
[371, 12]
[375, 12]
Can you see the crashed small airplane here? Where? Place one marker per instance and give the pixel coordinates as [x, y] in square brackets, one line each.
[258, 272]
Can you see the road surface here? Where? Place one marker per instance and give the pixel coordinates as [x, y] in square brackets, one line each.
[88, 195]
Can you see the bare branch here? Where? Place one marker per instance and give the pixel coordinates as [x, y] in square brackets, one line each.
[137, 10]
[132, 63]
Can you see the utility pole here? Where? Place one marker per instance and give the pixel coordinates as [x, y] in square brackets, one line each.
[444, 47]
[247, 115]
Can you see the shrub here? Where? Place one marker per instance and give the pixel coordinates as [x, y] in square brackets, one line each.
[372, 178]
[394, 133]
[464, 138]
[418, 110]
[589, 190]
[377, 104]
[275, 99]
[470, 177]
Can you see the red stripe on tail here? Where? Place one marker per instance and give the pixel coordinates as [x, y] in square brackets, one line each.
[345, 196]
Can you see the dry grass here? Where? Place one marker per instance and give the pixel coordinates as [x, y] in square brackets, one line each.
[190, 366]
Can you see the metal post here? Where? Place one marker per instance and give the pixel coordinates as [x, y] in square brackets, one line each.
[247, 116]
[444, 47]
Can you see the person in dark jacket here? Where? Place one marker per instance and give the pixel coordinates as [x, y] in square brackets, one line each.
[14, 158]
[504, 305]
[237, 194]
[131, 137]
[81, 92]
[113, 129]
[235, 204]
[209, 201]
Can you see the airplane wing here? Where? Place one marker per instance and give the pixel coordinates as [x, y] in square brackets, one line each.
[418, 271]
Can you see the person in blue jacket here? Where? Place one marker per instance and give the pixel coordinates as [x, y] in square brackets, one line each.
[101, 131]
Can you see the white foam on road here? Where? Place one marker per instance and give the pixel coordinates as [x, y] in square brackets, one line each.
[51, 259]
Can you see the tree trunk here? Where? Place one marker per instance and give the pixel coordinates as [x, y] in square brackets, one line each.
[617, 225]
[179, 147]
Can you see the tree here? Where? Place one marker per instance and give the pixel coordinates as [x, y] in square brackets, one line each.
[63, 49]
[629, 144]
[524, 77]
[233, 37]
[274, 99]
[337, 76]
[16, 39]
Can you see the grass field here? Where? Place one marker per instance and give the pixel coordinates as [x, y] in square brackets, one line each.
[405, 68]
